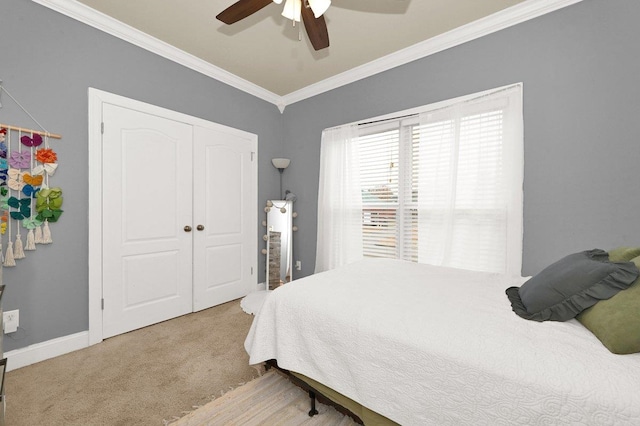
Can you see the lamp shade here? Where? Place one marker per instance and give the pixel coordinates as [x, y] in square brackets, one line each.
[319, 7]
[277, 1]
[280, 163]
[292, 10]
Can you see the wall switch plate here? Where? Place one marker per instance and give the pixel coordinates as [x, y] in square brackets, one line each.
[11, 321]
[298, 265]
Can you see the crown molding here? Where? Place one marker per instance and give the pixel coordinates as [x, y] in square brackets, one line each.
[109, 25]
[498, 21]
[514, 15]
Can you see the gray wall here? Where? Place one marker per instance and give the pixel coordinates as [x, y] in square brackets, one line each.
[580, 68]
[47, 61]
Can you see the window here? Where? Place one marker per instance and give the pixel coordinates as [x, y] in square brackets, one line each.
[442, 186]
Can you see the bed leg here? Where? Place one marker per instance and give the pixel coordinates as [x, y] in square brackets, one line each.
[313, 410]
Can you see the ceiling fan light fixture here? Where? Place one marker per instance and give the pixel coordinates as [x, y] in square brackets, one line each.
[319, 7]
[292, 10]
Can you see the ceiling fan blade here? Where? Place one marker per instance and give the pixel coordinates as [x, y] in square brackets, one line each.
[316, 28]
[241, 9]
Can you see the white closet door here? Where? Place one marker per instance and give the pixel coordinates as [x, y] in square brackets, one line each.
[224, 244]
[147, 202]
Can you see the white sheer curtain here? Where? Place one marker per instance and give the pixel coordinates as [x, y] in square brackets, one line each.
[458, 171]
[339, 200]
[470, 178]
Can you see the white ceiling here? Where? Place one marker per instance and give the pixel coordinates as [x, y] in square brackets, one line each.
[263, 55]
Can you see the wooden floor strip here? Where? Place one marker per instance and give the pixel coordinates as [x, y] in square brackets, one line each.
[268, 400]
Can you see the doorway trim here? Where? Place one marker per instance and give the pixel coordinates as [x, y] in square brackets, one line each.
[96, 99]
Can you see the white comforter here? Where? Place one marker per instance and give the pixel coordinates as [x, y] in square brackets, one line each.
[424, 345]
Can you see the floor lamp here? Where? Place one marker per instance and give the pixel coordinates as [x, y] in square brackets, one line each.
[281, 164]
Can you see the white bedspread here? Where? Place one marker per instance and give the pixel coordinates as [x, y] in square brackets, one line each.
[424, 345]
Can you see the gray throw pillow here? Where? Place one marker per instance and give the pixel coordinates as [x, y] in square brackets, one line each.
[567, 287]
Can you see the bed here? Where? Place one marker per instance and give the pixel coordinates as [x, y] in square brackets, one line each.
[425, 345]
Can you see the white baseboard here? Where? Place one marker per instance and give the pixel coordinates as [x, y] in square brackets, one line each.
[42, 351]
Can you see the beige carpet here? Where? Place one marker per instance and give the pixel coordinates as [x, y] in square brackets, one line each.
[269, 400]
[139, 378]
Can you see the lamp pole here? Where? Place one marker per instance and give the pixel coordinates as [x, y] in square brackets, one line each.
[281, 171]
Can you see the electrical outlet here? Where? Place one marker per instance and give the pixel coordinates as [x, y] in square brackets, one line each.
[11, 321]
[298, 265]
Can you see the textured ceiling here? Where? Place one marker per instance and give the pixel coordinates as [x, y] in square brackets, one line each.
[265, 48]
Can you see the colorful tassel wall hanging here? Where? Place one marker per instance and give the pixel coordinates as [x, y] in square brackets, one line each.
[26, 199]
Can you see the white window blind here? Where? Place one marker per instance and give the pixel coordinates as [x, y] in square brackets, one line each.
[444, 186]
[379, 180]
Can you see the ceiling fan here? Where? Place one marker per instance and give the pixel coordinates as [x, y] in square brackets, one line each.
[311, 12]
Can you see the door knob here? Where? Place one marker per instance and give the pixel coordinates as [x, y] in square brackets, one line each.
[200, 227]
[187, 228]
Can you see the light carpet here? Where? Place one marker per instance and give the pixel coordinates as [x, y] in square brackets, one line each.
[268, 400]
[139, 378]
